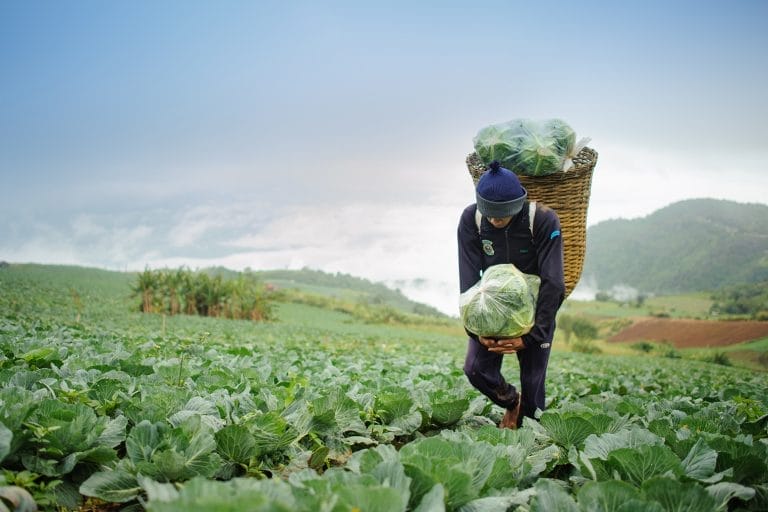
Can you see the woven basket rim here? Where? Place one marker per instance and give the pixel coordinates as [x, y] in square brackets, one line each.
[586, 159]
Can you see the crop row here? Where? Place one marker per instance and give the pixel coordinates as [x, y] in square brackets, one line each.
[297, 420]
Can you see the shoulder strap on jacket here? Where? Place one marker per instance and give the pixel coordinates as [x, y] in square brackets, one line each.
[531, 215]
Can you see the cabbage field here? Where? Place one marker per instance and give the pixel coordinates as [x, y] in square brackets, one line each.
[106, 408]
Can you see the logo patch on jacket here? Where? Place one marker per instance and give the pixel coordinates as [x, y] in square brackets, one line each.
[488, 247]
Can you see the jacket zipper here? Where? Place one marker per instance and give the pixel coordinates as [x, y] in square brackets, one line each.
[506, 239]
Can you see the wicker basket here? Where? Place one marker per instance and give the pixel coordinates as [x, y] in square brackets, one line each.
[568, 194]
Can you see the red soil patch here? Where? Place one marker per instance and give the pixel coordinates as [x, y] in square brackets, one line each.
[692, 333]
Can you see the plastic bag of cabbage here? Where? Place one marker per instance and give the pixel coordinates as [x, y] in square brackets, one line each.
[502, 304]
[528, 147]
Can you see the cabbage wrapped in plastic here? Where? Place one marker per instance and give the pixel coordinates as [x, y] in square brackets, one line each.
[502, 304]
[527, 147]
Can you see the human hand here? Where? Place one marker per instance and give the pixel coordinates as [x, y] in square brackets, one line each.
[488, 343]
[507, 346]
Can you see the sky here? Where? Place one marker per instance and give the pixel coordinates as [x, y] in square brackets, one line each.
[332, 134]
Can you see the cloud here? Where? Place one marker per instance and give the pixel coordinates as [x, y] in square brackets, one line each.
[191, 225]
[85, 226]
[442, 295]
[633, 181]
[376, 241]
[93, 240]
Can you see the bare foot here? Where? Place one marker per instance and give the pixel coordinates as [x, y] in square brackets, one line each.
[510, 417]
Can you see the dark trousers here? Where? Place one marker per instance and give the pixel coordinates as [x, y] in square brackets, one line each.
[483, 369]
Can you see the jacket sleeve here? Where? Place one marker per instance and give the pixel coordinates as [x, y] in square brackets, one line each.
[549, 249]
[470, 253]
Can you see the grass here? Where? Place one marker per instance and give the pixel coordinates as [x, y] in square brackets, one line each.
[752, 354]
[315, 318]
[339, 293]
[693, 305]
[682, 306]
[602, 346]
[760, 345]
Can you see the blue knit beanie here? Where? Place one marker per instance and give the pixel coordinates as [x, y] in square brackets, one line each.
[499, 192]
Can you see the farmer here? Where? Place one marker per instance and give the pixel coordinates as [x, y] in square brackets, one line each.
[504, 235]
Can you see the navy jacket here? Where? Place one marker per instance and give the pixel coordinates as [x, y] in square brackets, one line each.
[541, 255]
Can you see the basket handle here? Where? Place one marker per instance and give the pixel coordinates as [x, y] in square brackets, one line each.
[581, 144]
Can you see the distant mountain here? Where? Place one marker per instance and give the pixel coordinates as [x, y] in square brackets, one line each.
[692, 245]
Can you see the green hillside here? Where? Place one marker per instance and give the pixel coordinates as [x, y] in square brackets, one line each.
[344, 287]
[71, 285]
[85, 298]
[347, 287]
[689, 246]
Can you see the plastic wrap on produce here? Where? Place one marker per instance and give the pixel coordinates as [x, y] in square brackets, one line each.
[528, 147]
[502, 304]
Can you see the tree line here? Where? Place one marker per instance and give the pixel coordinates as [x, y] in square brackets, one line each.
[748, 300]
[182, 291]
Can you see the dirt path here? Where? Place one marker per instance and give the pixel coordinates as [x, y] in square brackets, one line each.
[692, 333]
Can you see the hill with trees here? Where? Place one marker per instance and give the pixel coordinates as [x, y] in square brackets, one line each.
[688, 246]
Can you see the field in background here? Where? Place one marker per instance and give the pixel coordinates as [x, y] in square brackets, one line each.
[679, 326]
[695, 305]
[71, 289]
[686, 333]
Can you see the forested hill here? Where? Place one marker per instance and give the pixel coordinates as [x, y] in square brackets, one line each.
[692, 245]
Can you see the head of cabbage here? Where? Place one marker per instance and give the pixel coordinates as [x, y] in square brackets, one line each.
[502, 304]
[527, 147]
